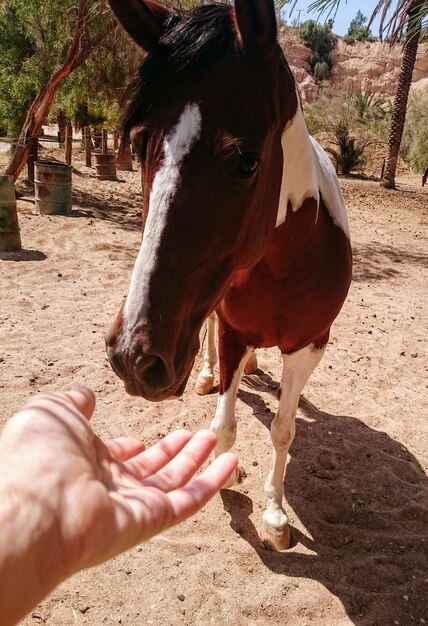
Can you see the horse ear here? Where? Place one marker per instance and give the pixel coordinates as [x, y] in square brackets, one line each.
[256, 26]
[143, 20]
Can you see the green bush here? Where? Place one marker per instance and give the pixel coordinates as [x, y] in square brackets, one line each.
[320, 39]
[363, 112]
[414, 146]
[358, 29]
[349, 153]
[321, 71]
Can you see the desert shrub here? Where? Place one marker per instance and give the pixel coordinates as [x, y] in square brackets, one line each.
[373, 112]
[363, 112]
[321, 71]
[349, 153]
[320, 39]
[414, 146]
[330, 108]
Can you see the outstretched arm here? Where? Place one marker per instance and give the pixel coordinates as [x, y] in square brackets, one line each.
[69, 500]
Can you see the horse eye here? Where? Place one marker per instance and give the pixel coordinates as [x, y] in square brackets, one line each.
[248, 166]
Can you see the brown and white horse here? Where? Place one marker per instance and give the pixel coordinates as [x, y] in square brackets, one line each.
[242, 215]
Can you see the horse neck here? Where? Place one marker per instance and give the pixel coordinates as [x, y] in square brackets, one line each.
[299, 172]
[308, 173]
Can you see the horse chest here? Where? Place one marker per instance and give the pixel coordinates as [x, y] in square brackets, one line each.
[291, 297]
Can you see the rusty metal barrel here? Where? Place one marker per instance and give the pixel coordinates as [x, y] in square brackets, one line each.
[10, 239]
[105, 166]
[52, 181]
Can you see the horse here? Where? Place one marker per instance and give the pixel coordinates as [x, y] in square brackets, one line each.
[242, 215]
[205, 380]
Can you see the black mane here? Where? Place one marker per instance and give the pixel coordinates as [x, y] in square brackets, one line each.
[190, 43]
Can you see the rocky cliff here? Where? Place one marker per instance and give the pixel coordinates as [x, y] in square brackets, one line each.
[357, 66]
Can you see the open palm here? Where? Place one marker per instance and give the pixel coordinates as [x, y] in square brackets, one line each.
[106, 496]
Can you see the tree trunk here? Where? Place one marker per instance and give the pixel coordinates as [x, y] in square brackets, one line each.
[61, 120]
[400, 104]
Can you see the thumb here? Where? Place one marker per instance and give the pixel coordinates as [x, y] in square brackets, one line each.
[83, 399]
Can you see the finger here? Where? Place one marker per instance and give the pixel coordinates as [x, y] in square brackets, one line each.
[155, 457]
[124, 448]
[83, 399]
[183, 466]
[187, 500]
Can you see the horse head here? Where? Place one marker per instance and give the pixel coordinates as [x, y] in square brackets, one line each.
[206, 113]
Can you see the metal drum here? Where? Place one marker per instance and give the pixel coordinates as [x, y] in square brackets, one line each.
[52, 187]
[105, 166]
[10, 239]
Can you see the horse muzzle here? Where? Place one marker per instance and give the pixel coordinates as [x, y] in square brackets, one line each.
[151, 376]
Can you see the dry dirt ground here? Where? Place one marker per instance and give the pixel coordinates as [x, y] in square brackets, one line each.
[356, 486]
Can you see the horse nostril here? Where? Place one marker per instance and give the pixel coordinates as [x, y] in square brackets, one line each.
[152, 371]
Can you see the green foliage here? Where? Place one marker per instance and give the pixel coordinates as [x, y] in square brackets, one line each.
[25, 37]
[321, 71]
[370, 107]
[34, 38]
[349, 153]
[358, 29]
[414, 146]
[98, 86]
[320, 39]
[362, 111]
[16, 48]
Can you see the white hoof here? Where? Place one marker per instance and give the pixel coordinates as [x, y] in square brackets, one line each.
[237, 477]
[276, 539]
[275, 532]
[204, 385]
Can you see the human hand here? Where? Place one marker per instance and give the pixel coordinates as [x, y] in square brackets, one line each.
[88, 499]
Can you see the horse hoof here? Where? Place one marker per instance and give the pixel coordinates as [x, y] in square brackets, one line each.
[237, 477]
[276, 539]
[251, 364]
[204, 385]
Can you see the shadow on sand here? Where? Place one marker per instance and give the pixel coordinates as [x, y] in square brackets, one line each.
[375, 262]
[23, 255]
[362, 497]
[118, 210]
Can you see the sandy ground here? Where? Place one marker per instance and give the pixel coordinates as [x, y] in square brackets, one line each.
[356, 488]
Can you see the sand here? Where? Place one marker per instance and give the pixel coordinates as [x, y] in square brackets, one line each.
[356, 487]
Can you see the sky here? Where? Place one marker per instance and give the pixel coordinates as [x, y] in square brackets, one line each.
[346, 12]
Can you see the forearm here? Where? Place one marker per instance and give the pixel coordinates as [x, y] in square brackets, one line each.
[29, 553]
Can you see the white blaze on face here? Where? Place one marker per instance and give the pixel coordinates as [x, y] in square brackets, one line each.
[177, 145]
[307, 173]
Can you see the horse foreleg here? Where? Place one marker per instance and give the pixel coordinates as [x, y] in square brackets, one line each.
[297, 368]
[251, 364]
[205, 380]
[233, 357]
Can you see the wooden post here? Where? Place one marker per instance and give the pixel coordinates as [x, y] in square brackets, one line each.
[104, 147]
[115, 141]
[68, 143]
[88, 146]
[32, 156]
[124, 157]
[10, 240]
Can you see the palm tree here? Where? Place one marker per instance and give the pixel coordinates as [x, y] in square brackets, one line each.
[409, 20]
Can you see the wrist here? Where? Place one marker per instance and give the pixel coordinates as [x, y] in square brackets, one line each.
[29, 544]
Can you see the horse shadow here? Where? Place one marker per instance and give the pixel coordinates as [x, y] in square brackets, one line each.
[360, 497]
